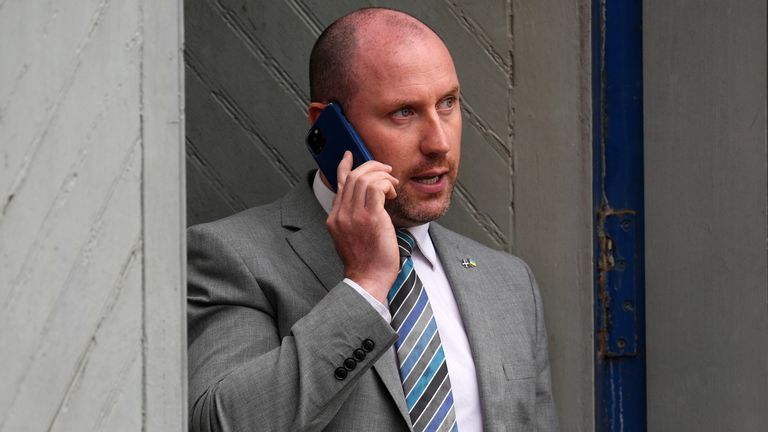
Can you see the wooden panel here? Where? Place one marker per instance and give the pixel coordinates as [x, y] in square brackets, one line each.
[706, 204]
[553, 188]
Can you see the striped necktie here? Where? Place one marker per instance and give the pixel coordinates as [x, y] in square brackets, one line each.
[423, 370]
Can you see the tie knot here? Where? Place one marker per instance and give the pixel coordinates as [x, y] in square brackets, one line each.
[405, 242]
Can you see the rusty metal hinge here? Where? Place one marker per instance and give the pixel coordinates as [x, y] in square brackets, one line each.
[617, 288]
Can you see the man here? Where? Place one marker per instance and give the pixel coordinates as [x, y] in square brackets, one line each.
[294, 310]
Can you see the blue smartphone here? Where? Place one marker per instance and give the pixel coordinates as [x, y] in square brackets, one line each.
[330, 137]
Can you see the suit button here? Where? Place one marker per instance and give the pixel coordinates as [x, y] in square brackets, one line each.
[359, 355]
[368, 345]
[350, 363]
[340, 373]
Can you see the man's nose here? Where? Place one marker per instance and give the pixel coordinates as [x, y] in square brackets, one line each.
[435, 138]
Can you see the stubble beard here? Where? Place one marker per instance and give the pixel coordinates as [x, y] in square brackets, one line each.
[406, 211]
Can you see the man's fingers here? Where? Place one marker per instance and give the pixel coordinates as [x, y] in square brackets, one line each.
[379, 191]
[362, 187]
[342, 171]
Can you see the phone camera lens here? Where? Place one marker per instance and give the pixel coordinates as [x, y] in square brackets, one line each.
[316, 141]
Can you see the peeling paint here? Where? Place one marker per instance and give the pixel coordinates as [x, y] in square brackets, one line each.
[605, 263]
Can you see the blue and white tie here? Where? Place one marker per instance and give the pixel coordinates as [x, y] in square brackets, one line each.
[423, 370]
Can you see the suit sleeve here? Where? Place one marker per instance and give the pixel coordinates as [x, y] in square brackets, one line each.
[546, 415]
[242, 375]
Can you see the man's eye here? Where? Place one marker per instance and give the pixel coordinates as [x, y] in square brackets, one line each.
[404, 112]
[447, 103]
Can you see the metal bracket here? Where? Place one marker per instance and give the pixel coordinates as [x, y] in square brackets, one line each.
[617, 286]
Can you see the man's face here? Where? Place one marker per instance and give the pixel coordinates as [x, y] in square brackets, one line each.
[406, 110]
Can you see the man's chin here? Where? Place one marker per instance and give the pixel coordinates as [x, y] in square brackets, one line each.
[406, 214]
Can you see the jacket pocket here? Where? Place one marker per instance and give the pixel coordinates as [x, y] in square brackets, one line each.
[519, 370]
[520, 395]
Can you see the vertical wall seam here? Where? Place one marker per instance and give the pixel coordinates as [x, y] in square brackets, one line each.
[511, 157]
[182, 213]
[142, 209]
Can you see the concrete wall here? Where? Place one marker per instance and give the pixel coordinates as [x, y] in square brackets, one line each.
[706, 215]
[91, 216]
[525, 183]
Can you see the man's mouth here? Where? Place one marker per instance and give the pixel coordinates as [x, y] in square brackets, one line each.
[427, 180]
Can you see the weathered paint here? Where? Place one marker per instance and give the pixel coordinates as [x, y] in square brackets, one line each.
[618, 200]
[616, 328]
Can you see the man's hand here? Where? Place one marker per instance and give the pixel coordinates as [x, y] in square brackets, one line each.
[362, 230]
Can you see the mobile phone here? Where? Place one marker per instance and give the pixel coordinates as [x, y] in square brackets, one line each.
[330, 137]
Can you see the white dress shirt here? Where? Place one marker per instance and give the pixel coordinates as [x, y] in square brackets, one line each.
[461, 367]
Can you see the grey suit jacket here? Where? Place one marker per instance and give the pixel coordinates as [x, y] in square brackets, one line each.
[270, 321]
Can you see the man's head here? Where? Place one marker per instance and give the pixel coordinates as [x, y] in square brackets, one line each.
[398, 86]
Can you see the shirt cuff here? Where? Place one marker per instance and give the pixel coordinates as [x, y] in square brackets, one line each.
[383, 310]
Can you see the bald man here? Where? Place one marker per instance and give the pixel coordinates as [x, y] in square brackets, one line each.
[354, 311]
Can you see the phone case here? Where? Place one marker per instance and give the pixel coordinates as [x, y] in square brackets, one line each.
[330, 137]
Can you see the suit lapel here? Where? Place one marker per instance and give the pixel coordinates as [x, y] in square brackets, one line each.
[314, 246]
[310, 240]
[303, 215]
[474, 292]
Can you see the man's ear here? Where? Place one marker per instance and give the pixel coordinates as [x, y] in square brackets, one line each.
[315, 108]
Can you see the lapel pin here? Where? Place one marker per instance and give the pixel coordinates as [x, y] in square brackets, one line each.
[468, 263]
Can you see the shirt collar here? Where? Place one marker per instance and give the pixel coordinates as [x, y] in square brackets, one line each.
[324, 195]
[420, 233]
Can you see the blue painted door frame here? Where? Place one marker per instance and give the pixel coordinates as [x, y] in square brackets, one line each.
[620, 390]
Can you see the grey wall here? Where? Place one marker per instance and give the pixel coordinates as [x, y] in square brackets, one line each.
[553, 187]
[707, 215]
[525, 182]
[91, 216]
